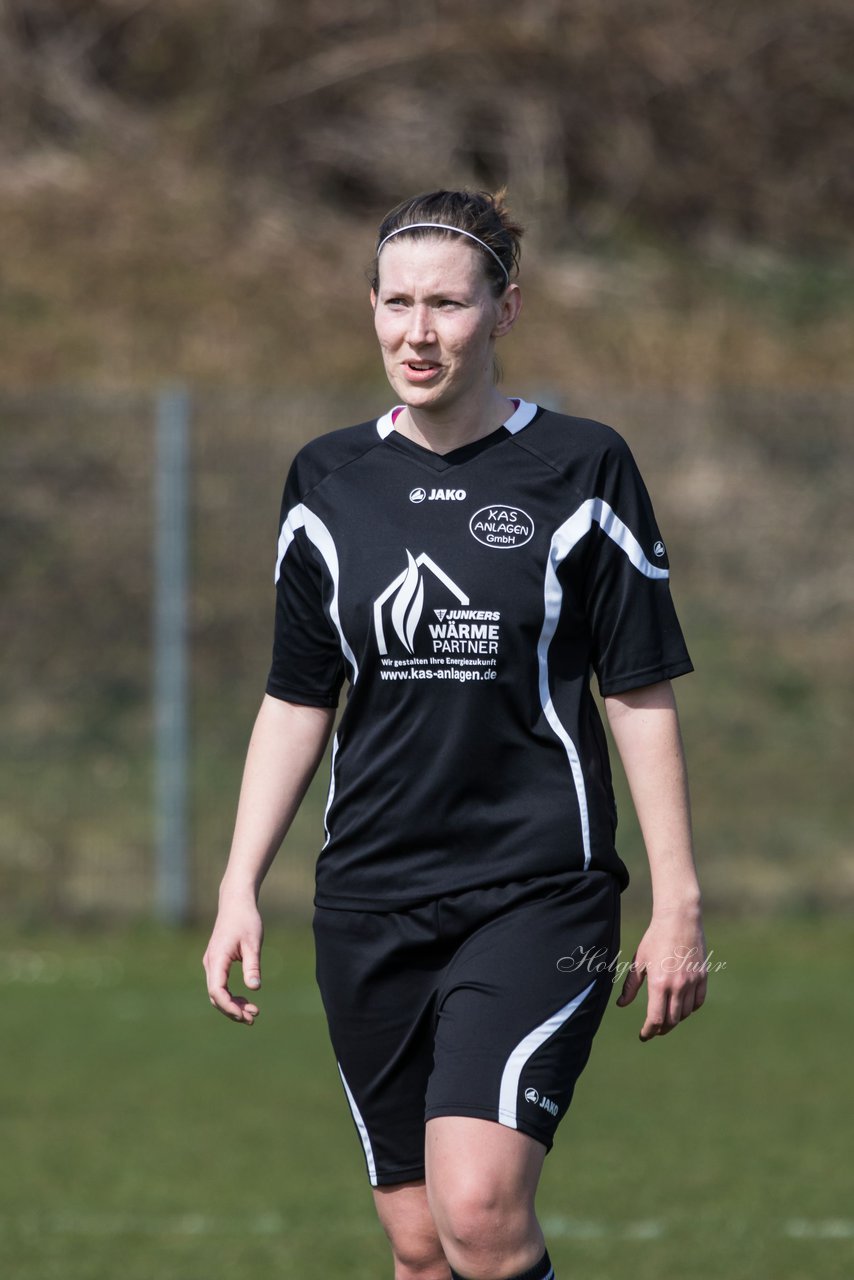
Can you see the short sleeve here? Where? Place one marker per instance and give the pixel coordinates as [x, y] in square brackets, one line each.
[635, 634]
[307, 665]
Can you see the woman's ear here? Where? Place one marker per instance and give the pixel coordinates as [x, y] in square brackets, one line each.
[509, 306]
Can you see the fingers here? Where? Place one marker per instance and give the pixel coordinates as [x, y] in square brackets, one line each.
[238, 1008]
[662, 1015]
[700, 993]
[237, 937]
[655, 1023]
[676, 981]
[668, 1005]
[632, 984]
[251, 966]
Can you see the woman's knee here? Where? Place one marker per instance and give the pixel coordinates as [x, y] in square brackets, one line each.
[418, 1255]
[481, 1183]
[476, 1219]
[421, 1268]
[406, 1218]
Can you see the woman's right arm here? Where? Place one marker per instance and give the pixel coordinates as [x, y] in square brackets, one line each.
[287, 744]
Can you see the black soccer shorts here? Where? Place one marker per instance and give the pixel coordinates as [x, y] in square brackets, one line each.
[483, 1003]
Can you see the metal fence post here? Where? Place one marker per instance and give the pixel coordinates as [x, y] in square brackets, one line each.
[172, 879]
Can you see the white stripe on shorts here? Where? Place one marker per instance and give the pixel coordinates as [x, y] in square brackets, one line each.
[524, 1050]
[363, 1132]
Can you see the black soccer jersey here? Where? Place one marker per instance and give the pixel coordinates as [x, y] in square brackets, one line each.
[468, 597]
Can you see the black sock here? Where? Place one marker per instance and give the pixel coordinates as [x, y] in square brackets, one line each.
[541, 1270]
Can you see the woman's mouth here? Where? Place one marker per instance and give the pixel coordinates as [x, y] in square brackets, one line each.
[420, 370]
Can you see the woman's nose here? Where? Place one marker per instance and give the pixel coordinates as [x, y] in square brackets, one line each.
[420, 325]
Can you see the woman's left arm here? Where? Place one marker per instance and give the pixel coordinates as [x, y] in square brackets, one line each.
[671, 955]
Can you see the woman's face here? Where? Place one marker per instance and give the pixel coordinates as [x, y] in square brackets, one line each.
[437, 320]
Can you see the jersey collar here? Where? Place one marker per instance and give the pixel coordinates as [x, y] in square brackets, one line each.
[522, 415]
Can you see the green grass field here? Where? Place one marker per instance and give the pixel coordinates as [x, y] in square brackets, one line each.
[145, 1136]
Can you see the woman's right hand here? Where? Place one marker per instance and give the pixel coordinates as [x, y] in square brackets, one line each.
[287, 743]
[237, 937]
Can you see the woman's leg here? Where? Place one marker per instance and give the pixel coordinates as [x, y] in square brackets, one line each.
[405, 1215]
[481, 1181]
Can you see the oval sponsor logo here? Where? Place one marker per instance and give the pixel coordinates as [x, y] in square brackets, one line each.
[659, 548]
[502, 526]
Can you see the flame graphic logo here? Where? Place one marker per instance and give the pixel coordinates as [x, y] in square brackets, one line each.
[406, 593]
[408, 604]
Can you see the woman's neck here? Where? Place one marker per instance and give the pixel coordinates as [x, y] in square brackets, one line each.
[442, 433]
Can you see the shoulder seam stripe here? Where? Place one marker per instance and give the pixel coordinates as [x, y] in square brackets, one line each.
[369, 448]
[300, 517]
[535, 453]
[564, 540]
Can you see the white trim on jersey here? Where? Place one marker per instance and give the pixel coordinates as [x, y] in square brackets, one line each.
[525, 413]
[570, 533]
[330, 794]
[385, 424]
[597, 510]
[363, 1132]
[610, 523]
[299, 517]
[519, 418]
[526, 1048]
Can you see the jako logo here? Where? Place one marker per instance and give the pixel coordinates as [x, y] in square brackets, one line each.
[407, 591]
[437, 495]
[545, 1103]
[659, 548]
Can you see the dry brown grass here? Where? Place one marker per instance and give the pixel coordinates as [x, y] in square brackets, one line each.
[131, 272]
[191, 190]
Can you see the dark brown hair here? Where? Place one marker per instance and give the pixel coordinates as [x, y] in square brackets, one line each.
[480, 213]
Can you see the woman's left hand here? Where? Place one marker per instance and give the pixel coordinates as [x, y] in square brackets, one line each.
[671, 958]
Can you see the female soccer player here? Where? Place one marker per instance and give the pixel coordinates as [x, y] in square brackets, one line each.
[465, 562]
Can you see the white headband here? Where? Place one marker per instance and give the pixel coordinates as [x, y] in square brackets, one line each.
[443, 226]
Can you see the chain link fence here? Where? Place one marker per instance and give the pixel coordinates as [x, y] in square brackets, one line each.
[754, 492]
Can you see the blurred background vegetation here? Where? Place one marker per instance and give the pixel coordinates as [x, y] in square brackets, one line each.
[189, 191]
